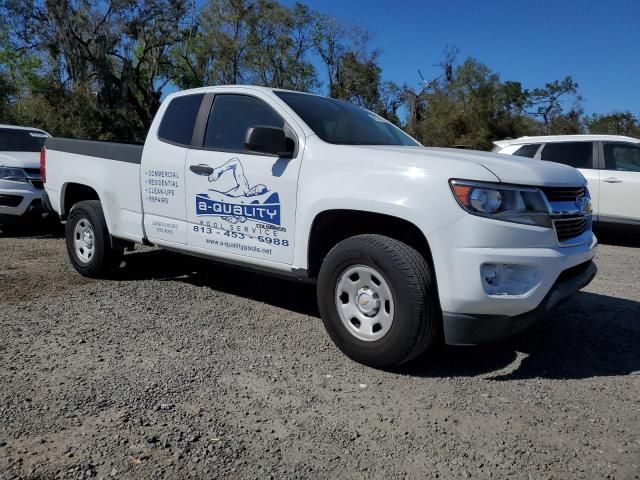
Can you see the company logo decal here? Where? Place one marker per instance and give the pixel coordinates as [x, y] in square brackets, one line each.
[235, 200]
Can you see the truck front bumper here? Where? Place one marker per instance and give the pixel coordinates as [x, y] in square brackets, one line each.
[19, 202]
[468, 329]
[496, 278]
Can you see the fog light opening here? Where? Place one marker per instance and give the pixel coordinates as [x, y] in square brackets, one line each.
[508, 279]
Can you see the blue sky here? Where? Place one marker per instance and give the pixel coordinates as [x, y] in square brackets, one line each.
[595, 41]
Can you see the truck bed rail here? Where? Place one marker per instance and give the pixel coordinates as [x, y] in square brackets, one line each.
[121, 152]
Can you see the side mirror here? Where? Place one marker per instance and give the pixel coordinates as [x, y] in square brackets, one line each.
[269, 140]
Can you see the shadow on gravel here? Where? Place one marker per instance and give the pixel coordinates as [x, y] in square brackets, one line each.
[591, 335]
[31, 228]
[298, 297]
[618, 237]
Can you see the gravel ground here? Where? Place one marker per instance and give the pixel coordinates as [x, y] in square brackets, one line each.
[185, 369]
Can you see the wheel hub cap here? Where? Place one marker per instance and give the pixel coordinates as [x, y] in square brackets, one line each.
[87, 239]
[83, 241]
[368, 301]
[364, 302]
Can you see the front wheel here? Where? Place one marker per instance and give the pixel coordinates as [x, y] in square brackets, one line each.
[378, 300]
[89, 243]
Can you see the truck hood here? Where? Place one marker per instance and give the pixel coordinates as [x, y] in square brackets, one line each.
[20, 159]
[508, 169]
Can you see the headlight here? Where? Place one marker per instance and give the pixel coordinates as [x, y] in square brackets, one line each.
[510, 204]
[13, 174]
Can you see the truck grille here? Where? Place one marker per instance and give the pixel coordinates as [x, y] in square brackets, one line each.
[570, 227]
[563, 194]
[568, 217]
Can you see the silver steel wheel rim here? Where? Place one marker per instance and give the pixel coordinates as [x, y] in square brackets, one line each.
[364, 302]
[84, 241]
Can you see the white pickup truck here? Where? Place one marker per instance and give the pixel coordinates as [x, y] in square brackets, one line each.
[408, 245]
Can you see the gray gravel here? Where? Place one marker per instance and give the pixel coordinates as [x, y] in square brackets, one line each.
[184, 369]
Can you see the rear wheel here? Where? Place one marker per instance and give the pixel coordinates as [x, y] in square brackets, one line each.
[89, 243]
[378, 300]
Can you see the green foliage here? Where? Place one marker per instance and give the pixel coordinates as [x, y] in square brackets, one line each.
[90, 67]
[512, 97]
[470, 108]
[97, 69]
[391, 98]
[238, 42]
[547, 103]
[616, 123]
[357, 81]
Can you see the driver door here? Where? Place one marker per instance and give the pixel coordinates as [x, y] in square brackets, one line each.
[240, 202]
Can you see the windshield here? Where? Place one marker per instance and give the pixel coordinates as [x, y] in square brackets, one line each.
[339, 122]
[13, 140]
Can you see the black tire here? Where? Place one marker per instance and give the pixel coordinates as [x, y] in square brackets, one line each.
[417, 319]
[105, 259]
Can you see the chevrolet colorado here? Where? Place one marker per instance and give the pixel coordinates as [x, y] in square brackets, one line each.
[407, 244]
[21, 187]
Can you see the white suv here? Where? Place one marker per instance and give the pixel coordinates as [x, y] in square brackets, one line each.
[610, 163]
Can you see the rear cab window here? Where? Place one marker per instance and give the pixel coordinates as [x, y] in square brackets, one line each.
[179, 119]
[574, 154]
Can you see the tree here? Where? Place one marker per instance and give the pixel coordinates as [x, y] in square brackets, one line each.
[615, 123]
[357, 81]
[547, 102]
[512, 97]
[221, 46]
[280, 40]
[329, 38]
[352, 70]
[416, 101]
[467, 105]
[19, 72]
[262, 43]
[113, 54]
[99, 68]
[569, 123]
[390, 100]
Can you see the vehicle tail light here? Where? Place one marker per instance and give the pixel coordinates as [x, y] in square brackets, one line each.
[43, 164]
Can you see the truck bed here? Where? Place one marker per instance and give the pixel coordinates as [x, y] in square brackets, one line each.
[112, 170]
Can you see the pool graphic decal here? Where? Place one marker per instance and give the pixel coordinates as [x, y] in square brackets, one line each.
[235, 200]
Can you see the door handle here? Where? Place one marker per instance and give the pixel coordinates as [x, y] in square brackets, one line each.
[612, 180]
[203, 170]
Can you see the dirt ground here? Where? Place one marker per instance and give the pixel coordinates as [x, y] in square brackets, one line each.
[185, 369]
